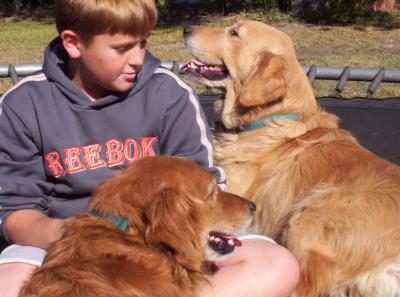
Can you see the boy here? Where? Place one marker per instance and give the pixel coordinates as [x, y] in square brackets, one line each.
[101, 102]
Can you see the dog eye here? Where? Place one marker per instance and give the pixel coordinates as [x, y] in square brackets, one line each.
[233, 32]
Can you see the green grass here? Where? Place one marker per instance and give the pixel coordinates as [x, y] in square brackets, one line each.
[24, 41]
[332, 46]
[369, 47]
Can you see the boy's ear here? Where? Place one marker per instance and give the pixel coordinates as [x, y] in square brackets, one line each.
[71, 43]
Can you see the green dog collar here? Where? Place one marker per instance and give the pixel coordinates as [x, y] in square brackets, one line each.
[119, 222]
[257, 124]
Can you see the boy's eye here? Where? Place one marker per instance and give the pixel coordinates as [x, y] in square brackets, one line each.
[121, 49]
[124, 48]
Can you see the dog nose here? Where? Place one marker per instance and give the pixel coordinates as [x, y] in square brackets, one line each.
[252, 207]
[187, 29]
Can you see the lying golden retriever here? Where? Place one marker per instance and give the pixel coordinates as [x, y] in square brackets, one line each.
[334, 204]
[153, 230]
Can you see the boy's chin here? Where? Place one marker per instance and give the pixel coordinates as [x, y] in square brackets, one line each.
[121, 87]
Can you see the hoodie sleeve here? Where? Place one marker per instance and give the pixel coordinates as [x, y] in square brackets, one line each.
[186, 133]
[22, 179]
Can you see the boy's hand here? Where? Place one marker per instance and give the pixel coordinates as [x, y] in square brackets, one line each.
[31, 227]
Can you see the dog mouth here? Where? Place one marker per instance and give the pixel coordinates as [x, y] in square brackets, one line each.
[223, 243]
[203, 70]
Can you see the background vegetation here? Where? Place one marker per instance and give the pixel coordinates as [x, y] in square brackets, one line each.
[326, 34]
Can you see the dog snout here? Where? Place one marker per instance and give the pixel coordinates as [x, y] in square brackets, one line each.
[187, 30]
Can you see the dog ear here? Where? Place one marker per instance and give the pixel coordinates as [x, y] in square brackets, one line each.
[172, 225]
[267, 83]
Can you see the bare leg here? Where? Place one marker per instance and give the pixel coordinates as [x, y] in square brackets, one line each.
[259, 269]
[12, 276]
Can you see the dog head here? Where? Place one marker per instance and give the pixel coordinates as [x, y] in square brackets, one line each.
[175, 206]
[257, 66]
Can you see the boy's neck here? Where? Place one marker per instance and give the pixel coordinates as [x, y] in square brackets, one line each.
[73, 73]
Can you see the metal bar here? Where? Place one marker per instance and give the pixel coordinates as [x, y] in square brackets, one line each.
[21, 69]
[13, 73]
[175, 68]
[344, 77]
[375, 82]
[356, 74]
[312, 73]
[320, 72]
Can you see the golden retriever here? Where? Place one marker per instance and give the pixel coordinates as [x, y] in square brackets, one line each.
[334, 204]
[153, 230]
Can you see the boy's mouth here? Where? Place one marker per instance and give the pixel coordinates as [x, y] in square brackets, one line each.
[130, 76]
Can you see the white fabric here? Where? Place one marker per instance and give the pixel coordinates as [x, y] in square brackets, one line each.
[255, 236]
[22, 254]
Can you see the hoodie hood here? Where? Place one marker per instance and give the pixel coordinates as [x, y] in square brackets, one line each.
[55, 66]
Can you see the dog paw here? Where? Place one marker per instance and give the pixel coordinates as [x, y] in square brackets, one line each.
[231, 121]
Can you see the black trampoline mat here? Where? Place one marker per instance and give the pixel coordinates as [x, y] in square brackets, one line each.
[374, 122]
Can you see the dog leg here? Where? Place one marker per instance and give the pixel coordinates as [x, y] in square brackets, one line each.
[335, 257]
[384, 281]
[229, 117]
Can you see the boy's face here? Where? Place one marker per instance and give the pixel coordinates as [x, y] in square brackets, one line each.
[109, 63]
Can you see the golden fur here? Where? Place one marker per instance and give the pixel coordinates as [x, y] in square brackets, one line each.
[171, 204]
[333, 203]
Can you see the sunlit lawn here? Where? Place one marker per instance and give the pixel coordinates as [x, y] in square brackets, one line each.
[336, 46]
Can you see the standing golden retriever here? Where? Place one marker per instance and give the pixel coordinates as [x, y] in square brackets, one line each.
[334, 204]
[153, 230]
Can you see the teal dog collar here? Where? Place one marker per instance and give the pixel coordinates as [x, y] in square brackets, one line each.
[119, 222]
[257, 124]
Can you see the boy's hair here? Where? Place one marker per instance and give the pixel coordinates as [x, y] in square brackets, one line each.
[91, 17]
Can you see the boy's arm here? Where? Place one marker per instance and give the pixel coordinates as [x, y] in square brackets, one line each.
[31, 227]
[186, 133]
[23, 185]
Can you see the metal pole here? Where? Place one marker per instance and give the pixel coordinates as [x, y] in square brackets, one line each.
[317, 72]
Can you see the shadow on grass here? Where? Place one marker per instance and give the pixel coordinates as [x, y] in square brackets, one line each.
[360, 18]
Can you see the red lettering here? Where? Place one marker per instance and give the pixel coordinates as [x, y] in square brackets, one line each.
[72, 160]
[131, 150]
[91, 154]
[54, 163]
[147, 145]
[114, 153]
[88, 157]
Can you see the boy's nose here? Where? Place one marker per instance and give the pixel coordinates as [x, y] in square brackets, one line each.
[136, 58]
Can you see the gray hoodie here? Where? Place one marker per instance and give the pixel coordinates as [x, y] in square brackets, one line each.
[56, 145]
